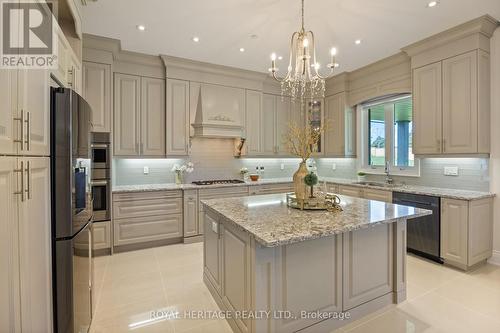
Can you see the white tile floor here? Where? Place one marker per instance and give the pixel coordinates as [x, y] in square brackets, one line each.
[131, 285]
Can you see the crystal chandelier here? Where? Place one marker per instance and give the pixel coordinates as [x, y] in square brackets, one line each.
[303, 79]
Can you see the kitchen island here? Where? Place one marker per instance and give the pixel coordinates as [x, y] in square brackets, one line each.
[278, 269]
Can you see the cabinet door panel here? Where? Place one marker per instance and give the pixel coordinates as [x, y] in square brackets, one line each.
[97, 92]
[127, 115]
[283, 117]
[268, 125]
[379, 195]
[146, 229]
[454, 214]
[253, 121]
[10, 310]
[35, 249]
[190, 213]
[335, 120]
[460, 104]
[212, 252]
[153, 117]
[177, 117]
[34, 100]
[351, 191]
[8, 111]
[427, 109]
[362, 280]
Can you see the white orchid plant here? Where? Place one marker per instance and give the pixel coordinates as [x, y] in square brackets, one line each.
[185, 168]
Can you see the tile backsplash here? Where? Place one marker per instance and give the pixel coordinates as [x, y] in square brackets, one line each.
[213, 159]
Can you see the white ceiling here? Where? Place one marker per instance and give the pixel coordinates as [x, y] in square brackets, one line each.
[223, 26]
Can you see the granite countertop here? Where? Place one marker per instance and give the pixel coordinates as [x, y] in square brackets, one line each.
[273, 223]
[172, 186]
[415, 189]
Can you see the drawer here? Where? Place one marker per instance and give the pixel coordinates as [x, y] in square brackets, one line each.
[147, 195]
[379, 195]
[146, 229]
[351, 191]
[223, 192]
[146, 207]
[271, 189]
[332, 188]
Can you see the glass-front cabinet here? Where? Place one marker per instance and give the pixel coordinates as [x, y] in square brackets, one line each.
[315, 118]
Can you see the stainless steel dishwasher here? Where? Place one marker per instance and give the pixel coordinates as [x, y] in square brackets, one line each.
[423, 233]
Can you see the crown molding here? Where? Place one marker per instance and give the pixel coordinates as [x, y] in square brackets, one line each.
[484, 25]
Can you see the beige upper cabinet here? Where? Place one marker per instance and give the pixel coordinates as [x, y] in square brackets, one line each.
[97, 92]
[9, 127]
[451, 108]
[268, 125]
[283, 118]
[427, 109]
[139, 118]
[340, 134]
[460, 104]
[253, 121]
[127, 115]
[177, 122]
[34, 108]
[152, 117]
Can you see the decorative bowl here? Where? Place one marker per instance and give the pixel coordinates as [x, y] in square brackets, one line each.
[254, 178]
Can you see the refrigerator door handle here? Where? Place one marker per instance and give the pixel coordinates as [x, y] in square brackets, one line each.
[22, 191]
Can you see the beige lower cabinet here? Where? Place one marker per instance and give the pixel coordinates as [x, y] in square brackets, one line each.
[191, 213]
[365, 193]
[466, 231]
[351, 191]
[215, 193]
[379, 195]
[357, 271]
[101, 231]
[26, 286]
[143, 217]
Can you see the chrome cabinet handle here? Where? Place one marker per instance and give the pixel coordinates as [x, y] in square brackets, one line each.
[29, 176]
[21, 192]
[22, 121]
[28, 129]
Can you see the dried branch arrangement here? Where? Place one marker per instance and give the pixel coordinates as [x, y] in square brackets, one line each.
[302, 141]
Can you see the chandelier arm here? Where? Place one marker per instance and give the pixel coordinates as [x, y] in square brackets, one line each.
[302, 15]
[278, 78]
[329, 75]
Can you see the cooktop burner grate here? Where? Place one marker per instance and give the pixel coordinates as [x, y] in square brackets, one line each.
[218, 181]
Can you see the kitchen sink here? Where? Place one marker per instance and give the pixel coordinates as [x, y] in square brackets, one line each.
[378, 184]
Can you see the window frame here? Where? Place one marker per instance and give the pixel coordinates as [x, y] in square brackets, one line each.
[410, 171]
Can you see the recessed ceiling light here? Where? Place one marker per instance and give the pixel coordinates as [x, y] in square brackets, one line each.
[141, 27]
[196, 39]
[280, 58]
[357, 41]
[432, 4]
[242, 49]
[254, 36]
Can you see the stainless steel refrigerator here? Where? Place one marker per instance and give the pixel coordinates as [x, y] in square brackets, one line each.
[71, 211]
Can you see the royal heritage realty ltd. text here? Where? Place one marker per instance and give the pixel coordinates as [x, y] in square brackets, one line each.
[278, 314]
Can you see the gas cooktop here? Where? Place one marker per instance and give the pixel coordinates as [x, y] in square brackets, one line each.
[218, 181]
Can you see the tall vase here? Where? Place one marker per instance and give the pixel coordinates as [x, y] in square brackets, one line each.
[299, 185]
[178, 177]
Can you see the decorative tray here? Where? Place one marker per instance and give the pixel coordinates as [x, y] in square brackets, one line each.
[329, 202]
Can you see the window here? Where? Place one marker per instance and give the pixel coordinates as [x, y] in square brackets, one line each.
[386, 136]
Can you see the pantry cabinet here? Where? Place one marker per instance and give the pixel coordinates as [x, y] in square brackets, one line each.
[177, 123]
[97, 92]
[139, 126]
[9, 127]
[340, 133]
[448, 115]
[26, 246]
[191, 213]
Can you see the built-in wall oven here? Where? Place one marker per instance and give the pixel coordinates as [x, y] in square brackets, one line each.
[101, 176]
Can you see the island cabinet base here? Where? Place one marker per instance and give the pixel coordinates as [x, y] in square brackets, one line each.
[311, 286]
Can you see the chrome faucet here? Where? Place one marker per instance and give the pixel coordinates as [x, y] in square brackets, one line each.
[388, 178]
